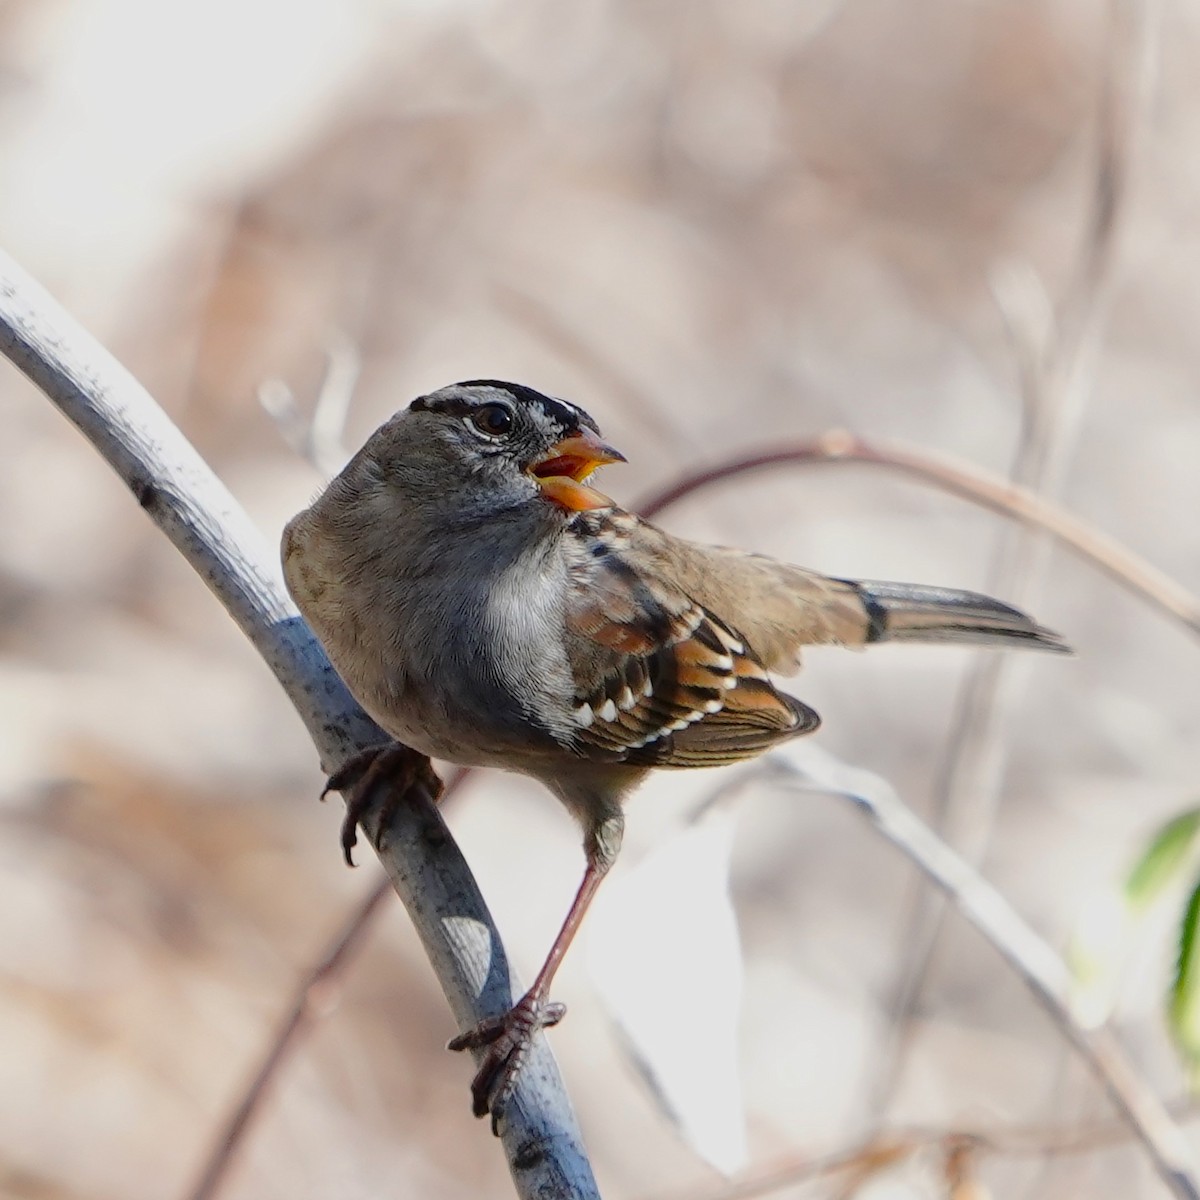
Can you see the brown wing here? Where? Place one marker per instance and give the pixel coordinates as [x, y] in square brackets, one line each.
[660, 679]
[780, 608]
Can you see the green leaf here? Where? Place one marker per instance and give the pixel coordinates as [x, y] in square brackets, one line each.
[1184, 1010]
[1162, 859]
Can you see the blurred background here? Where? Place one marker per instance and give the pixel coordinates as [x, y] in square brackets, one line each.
[969, 225]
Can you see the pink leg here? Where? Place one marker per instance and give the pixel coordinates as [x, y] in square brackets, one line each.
[506, 1039]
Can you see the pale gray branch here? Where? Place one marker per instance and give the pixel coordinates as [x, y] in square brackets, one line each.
[1041, 969]
[183, 497]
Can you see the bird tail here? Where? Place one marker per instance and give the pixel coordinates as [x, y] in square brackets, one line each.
[910, 612]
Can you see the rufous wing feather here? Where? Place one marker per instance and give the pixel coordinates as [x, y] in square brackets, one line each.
[685, 689]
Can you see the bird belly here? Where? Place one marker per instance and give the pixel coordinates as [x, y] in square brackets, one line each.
[472, 730]
[450, 697]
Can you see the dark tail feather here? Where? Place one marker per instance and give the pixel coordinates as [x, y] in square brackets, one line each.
[908, 612]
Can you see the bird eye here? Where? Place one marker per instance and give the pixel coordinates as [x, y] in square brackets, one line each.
[493, 419]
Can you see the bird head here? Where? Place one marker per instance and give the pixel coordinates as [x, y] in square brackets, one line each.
[512, 444]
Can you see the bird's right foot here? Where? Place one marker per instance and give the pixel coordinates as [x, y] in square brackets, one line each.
[505, 1041]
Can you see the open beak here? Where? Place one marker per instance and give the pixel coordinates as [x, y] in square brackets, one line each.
[562, 473]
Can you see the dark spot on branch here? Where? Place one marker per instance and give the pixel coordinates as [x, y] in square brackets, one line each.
[529, 1156]
[146, 493]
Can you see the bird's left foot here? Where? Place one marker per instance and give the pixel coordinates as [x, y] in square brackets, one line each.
[391, 765]
[506, 1041]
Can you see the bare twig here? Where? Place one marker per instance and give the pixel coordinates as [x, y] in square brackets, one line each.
[176, 488]
[1031, 958]
[972, 483]
[876, 1154]
[1056, 355]
[317, 436]
[314, 996]
[889, 1147]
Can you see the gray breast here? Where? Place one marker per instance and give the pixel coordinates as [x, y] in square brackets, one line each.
[479, 672]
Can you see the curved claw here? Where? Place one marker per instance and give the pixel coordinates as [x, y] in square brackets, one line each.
[390, 764]
[506, 1041]
[350, 773]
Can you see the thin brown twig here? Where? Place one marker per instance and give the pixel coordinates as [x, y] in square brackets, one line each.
[971, 483]
[314, 996]
[884, 1149]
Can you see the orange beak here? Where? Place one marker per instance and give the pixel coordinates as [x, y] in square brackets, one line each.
[561, 474]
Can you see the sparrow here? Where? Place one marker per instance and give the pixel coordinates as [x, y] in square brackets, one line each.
[488, 606]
